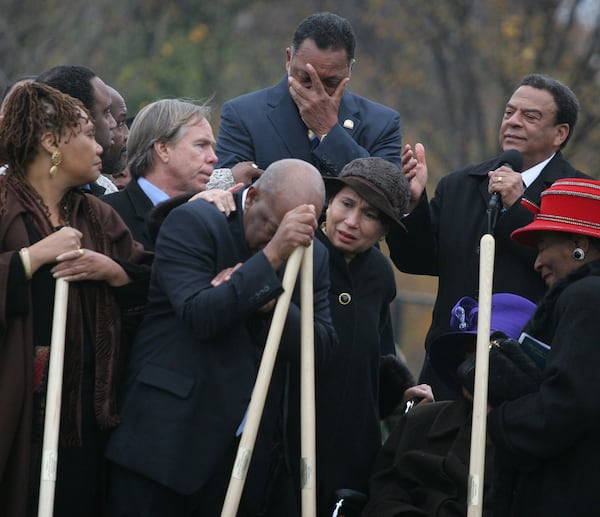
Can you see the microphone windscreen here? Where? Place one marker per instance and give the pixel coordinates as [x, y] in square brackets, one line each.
[513, 158]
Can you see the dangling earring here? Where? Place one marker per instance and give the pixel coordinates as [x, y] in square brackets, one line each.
[578, 254]
[55, 161]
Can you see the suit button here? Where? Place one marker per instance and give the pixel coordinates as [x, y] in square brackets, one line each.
[344, 298]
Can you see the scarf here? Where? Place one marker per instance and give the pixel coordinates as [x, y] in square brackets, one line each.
[91, 304]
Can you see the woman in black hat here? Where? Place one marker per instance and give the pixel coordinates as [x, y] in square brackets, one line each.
[548, 440]
[369, 196]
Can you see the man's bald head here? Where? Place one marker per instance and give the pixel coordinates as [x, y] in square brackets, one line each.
[293, 182]
[284, 186]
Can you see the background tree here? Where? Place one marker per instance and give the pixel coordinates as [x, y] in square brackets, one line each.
[447, 67]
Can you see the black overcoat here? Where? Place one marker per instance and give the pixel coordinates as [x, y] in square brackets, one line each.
[443, 239]
[348, 419]
[549, 439]
[422, 469]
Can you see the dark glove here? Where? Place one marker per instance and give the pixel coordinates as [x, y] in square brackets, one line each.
[512, 373]
[394, 379]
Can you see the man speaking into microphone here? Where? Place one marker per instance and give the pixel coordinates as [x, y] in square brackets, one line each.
[514, 160]
[444, 233]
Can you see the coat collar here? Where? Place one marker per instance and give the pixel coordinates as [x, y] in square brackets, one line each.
[235, 222]
[139, 200]
[450, 418]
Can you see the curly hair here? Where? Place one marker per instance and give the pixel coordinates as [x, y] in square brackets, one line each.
[32, 110]
[74, 80]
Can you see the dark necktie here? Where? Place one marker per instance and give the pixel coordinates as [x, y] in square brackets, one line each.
[314, 139]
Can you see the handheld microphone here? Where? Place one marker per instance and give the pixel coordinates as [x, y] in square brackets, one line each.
[514, 159]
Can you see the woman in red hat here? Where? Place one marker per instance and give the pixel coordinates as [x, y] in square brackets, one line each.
[548, 441]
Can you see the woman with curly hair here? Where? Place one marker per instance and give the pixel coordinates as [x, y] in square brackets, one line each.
[50, 229]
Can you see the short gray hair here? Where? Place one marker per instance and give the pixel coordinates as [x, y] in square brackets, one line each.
[159, 121]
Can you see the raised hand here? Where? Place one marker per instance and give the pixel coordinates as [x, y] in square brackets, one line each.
[317, 108]
[414, 167]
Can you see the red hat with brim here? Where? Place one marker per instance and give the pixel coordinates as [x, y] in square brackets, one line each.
[570, 205]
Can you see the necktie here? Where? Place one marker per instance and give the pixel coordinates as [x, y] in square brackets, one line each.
[314, 139]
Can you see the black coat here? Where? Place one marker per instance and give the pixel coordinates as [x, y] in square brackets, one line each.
[549, 439]
[196, 355]
[423, 467]
[348, 419]
[133, 205]
[443, 239]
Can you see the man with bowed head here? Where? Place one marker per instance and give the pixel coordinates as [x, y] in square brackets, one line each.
[443, 235]
[309, 114]
[196, 355]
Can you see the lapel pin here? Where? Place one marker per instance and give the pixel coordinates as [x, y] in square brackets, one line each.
[348, 124]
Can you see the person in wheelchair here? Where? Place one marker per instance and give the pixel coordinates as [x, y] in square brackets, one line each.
[423, 466]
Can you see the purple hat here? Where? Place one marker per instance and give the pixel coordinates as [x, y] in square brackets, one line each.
[510, 312]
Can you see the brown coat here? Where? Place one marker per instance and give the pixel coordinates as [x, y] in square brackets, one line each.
[423, 466]
[16, 337]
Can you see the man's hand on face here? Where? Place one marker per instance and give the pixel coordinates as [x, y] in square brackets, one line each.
[297, 228]
[317, 108]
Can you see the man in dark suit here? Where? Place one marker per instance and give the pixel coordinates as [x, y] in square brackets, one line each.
[443, 235]
[196, 355]
[170, 152]
[274, 123]
[164, 160]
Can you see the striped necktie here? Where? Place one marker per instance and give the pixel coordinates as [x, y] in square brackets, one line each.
[314, 139]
